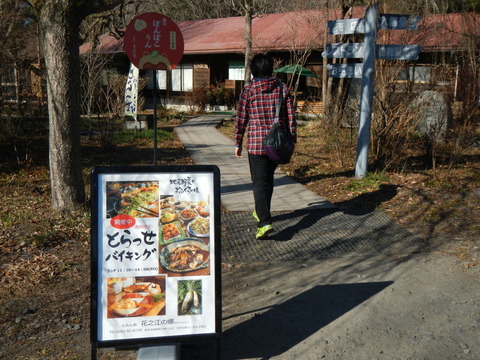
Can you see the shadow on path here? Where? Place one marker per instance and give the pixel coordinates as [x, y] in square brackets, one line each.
[286, 325]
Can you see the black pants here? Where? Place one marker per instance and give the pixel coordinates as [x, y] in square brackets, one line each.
[261, 171]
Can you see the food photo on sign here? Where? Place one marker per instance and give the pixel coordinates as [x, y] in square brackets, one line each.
[184, 236]
[136, 296]
[138, 199]
[189, 297]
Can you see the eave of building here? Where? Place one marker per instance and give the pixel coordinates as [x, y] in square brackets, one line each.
[284, 31]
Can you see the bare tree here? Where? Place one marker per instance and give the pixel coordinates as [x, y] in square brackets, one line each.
[304, 36]
[19, 53]
[250, 9]
[336, 88]
[92, 66]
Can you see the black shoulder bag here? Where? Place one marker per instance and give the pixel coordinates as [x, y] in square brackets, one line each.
[279, 145]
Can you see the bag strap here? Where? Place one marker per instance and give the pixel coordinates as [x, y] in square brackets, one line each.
[279, 104]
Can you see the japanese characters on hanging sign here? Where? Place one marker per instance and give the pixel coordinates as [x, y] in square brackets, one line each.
[155, 254]
[153, 42]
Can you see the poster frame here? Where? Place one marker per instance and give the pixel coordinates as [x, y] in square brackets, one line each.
[95, 308]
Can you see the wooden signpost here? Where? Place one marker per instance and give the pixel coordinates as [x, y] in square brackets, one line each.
[368, 51]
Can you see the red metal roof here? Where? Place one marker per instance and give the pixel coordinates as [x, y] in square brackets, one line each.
[284, 31]
[280, 31]
[438, 32]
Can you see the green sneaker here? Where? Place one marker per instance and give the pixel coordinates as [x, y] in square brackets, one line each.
[262, 232]
[254, 214]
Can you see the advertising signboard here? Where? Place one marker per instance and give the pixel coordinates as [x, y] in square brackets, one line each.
[155, 255]
[153, 42]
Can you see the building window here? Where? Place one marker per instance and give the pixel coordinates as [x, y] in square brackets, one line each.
[181, 79]
[236, 70]
[161, 80]
[417, 74]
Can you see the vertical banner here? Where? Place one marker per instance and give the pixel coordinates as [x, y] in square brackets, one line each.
[131, 93]
[155, 254]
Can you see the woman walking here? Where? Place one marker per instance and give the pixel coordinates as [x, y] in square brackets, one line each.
[255, 113]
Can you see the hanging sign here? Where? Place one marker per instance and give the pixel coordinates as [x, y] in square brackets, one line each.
[153, 42]
[155, 254]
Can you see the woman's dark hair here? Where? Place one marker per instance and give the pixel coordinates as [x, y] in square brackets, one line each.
[261, 66]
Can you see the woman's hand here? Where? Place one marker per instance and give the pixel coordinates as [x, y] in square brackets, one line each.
[238, 151]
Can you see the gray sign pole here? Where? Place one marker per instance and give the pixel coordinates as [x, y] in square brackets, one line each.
[367, 90]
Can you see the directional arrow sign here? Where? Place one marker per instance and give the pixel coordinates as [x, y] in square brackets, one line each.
[345, 70]
[398, 52]
[346, 26]
[385, 22]
[339, 50]
[385, 52]
[399, 22]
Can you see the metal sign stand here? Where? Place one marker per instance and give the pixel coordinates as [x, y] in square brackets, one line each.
[155, 117]
[164, 352]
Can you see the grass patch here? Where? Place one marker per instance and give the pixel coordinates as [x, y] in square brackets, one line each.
[371, 182]
[129, 136]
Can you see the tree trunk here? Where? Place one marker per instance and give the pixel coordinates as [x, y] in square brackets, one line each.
[248, 40]
[325, 89]
[60, 28]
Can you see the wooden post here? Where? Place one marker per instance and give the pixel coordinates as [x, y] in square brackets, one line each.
[367, 90]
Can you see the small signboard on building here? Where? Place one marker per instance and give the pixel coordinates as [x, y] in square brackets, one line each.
[201, 75]
[155, 255]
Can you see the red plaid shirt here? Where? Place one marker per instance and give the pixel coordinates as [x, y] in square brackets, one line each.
[256, 111]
